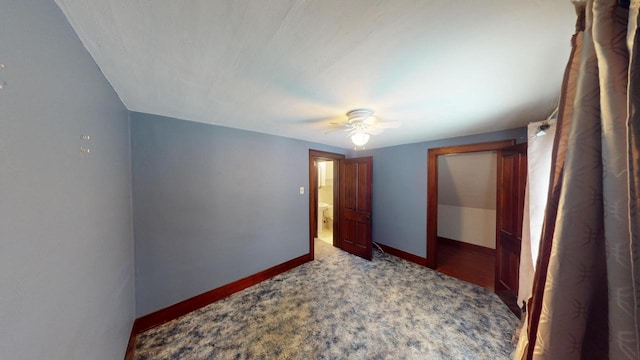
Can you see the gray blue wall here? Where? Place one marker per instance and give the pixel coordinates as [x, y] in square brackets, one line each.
[400, 188]
[213, 205]
[66, 250]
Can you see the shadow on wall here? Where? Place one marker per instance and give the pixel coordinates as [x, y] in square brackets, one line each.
[467, 197]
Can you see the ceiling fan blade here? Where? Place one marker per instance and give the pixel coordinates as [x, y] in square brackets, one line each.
[318, 120]
[370, 120]
[353, 132]
[339, 127]
[388, 124]
[362, 120]
[336, 129]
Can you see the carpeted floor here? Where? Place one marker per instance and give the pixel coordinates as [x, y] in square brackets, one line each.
[323, 249]
[343, 307]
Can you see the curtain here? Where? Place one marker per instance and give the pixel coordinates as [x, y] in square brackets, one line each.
[586, 291]
[539, 148]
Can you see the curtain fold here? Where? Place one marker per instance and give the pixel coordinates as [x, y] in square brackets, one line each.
[586, 290]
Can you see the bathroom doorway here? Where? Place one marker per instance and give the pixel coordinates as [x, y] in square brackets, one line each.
[324, 243]
[323, 202]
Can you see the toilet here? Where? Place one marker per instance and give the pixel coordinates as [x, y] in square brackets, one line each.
[322, 208]
[328, 216]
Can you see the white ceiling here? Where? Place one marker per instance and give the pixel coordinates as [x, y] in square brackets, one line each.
[291, 67]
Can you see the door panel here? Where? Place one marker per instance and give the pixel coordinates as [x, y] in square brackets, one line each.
[355, 206]
[512, 176]
[364, 187]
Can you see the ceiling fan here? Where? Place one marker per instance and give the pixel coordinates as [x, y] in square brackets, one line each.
[361, 124]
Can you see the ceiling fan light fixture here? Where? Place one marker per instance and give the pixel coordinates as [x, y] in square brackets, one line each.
[360, 138]
[359, 115]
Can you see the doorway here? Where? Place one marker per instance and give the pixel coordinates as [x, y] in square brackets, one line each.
[352, 193]
[433, 248]
[323, 242]
[325, 188]
[467, 216]
[324, 195]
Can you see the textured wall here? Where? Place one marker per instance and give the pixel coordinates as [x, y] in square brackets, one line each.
[213, 205]
[66, 251]
[400, 188]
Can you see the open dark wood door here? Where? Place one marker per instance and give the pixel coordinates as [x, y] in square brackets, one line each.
[356, 178]
[512, 177]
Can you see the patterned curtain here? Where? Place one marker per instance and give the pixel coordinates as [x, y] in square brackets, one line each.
[586, 291]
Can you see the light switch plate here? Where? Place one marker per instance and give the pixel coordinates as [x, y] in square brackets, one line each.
[301, 190]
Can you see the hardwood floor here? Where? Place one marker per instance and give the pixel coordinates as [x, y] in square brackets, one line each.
[469, 263]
